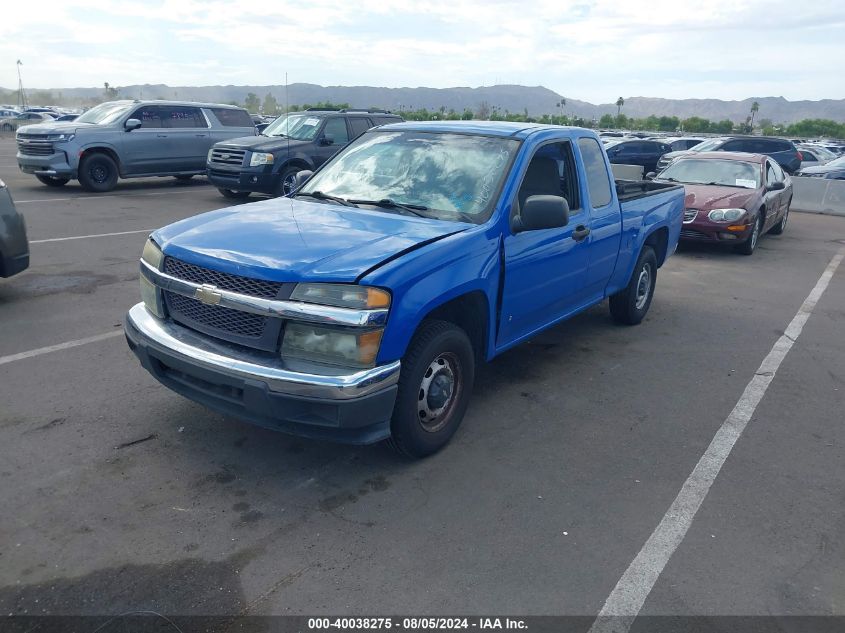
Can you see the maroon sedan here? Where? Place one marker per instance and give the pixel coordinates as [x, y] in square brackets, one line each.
[732, 198]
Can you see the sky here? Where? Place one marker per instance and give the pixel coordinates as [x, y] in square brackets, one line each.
[591, 50]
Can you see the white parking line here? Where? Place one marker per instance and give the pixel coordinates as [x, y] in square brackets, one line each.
[60, 346]
[85, 237]
[104, 197]
[627, 598]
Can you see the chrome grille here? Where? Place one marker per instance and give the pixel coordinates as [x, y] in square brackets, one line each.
[224, 319]
[234, 283]
[34, 145]
[227, 156]
[689, 215]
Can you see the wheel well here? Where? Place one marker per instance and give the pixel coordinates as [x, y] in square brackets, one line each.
[102, 150]
[468, 312]
[295, 162]
[763, 212]
[659, 241]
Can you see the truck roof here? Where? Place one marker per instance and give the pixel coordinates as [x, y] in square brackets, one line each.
[171, 102]
[489, 128]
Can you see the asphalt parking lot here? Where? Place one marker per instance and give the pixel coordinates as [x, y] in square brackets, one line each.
[119, 495]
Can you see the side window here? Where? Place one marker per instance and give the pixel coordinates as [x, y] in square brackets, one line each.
[183, 116]
[359, 125]
[598, 181]
[779, 175]
[149, 116]
[809, 156]
[232, 117]
[732, 146]
[770, 174]
[336, 130]
[551, 172]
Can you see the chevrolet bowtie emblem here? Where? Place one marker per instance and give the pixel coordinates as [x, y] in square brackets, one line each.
[208, 295]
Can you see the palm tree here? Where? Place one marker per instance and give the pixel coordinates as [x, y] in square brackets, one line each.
[619, 103]
[755, 108]
[560, 106]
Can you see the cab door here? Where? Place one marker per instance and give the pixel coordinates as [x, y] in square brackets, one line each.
[334, 136]
[189, 138]
[146, 149]
[546, 269]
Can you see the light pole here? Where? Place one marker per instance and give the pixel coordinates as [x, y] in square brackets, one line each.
[22, 102]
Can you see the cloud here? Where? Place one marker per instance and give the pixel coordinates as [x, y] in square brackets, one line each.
[585, 49]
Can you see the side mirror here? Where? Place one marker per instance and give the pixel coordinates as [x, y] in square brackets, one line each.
[651, 175]
[301, 178]
[132, 124]
[327, 140]
[777, 186]
[541, 212]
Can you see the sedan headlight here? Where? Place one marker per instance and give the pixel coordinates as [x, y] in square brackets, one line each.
[260, 158]
[332, 346]
[151, 294]
[726, 215]
[342, 296]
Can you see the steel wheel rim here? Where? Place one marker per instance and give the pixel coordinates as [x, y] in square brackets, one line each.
[439, 390]
[643, 287]
[99, 173]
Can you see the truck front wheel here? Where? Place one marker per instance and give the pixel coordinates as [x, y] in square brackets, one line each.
[629, 306]
[434, 389]
[98, 172]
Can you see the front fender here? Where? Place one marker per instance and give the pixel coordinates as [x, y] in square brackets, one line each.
[433, 275]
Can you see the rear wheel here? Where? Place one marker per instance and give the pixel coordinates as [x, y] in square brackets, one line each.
[434, 389]
[98, 172]
[629, 306]
[750, 245]
[52, 181]
[780, 227]
[233, 195]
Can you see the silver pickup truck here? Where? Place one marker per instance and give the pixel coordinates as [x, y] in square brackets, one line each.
[128, 139]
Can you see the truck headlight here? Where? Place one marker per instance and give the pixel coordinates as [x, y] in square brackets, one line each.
[259, 158]
[151, 294]
[61, 138]
[726, 215]
[342, 296]
[332, 346]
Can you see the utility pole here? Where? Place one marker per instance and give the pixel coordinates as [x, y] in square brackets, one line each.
[22, 102]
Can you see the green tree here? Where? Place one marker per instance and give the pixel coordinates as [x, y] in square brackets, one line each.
[607, 121]
[270, 105]
[696, 124]
[483, 112]
[252, 103]
[109, 92]
[755, 108]
[619, 103]
[725, 126]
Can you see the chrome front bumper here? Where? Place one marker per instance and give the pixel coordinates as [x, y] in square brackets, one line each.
[175, 341]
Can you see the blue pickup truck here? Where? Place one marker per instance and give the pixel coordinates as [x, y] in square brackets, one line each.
[358, 307]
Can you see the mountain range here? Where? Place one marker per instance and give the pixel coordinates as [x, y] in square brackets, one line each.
[513, 98]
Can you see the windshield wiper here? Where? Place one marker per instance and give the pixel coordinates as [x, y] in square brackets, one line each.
[387, 203]
[319, 195]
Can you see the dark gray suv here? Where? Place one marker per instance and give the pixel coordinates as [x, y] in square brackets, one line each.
[268, 163]
[14, 247]
[128, 139]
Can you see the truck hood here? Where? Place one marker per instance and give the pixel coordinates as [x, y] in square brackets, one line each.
[262, 143]
[707, 197]
[296, 240]
[57, 127]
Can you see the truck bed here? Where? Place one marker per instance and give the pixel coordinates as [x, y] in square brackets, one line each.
[628, 190]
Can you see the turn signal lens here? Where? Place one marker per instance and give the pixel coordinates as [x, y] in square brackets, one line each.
[342, 296]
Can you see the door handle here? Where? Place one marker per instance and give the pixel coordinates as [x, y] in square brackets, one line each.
[580, 233]
[201, 135]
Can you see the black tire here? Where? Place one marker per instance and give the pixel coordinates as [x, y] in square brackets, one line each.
[750, 245]
[431, 403]
[233, 195]
[285, 184]
[184, 177]
[7, 127]
[629, 306]
[780, 227]
[52, 181]
[98, 173]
